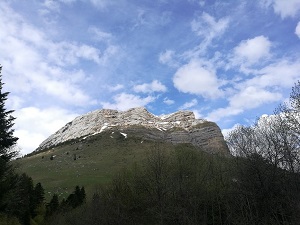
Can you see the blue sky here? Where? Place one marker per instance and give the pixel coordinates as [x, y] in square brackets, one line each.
[227, 61]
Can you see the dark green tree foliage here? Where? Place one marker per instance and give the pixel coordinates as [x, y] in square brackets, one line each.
[53, 205]
[19, 199]
[7, 140]
[7, 183]
[77, 198]
[23, 199]
[38, 197]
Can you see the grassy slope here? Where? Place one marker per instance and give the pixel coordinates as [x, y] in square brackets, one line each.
[101, 156]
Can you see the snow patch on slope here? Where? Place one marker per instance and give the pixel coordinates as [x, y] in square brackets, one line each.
[125, 135]
[103, 120]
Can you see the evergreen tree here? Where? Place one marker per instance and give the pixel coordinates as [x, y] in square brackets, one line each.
[18, 200]
[82, 195]
[37, 200]
[7, 140]
[53, 205]
[77, 198]
[8, 178]
[39, 193]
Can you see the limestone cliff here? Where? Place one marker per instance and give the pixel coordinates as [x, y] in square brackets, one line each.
[178, 127]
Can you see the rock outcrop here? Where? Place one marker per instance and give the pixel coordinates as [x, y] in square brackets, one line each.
[178, 127]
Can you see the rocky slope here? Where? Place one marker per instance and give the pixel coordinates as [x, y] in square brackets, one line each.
[178, 127]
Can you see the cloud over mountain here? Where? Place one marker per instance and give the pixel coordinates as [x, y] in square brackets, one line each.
[224, 60]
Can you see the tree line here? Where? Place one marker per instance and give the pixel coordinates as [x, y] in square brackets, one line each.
[190, 187]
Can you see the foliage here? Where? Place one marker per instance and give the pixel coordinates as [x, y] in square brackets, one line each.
[7, 140]
[53, 205]
[8, 220]
[74, 200]
[77, 198]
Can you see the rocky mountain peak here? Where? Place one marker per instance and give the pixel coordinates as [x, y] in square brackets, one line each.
[178, 127]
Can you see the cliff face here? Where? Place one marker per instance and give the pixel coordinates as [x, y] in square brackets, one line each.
[178, 127]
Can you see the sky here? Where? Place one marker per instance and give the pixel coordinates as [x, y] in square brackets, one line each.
[227, 61]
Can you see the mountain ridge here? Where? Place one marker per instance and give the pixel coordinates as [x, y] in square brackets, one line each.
[177, 127]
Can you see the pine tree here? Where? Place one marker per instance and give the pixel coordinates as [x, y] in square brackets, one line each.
[77, 198]
[37, 199]
[39, 193]
[82, 195]
[7, 140]
[18, 200]
[53, 205]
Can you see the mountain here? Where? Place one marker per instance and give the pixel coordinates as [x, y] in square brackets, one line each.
[175, 128]
[90, 150]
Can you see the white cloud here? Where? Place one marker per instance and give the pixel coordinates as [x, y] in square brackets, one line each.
[168, 58]
[252, 97]
[34, 125]
[116, 87]
[14, 102]
[65, 53]
[52, 5]
[197, 114]
[189, 104]
[68, 1]
[33, 63]
[280, 74]
[154, 86]
[261, 89]
[193, 78]
[88, 52]
[252, 50]
[100, 3]
[67, 93]
[209, 28]
[285, 8]
[110, 53]
[297, 30]
[126, 101]
[247, 98]
[169, 101]
[100, 35]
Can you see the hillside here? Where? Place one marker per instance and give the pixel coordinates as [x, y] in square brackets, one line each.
[92, 148]
[98, 159]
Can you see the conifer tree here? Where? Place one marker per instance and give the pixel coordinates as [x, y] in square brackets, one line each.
[53, 205]
[7, 140]
[38, 197]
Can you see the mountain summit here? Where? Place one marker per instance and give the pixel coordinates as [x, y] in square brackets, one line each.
[178, 127]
